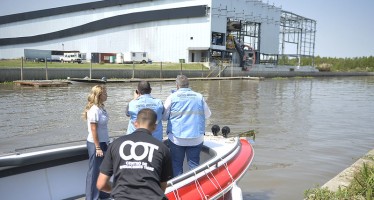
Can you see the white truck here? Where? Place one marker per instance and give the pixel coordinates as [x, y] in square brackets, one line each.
[71, 57]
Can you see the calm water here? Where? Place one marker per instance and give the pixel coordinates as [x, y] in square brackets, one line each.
[308, 129]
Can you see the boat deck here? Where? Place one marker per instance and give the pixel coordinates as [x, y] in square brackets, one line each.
[45, 169]
[218, 143]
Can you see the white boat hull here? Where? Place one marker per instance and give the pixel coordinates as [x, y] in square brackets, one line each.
[61, 173]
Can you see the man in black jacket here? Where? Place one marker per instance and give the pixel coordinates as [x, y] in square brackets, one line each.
[140, 164]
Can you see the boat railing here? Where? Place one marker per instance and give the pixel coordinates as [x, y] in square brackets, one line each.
[21, 163]
[204, 166]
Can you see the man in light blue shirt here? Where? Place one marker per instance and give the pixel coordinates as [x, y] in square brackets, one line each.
[143, 99]
[185, 111]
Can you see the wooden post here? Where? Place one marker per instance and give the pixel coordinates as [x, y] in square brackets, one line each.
[232, 67]
[91, 69]
[219, 71]
[161, 70]
[21, 68]
[46, 69]
[202, 71]
[133, 69]
[181, 68]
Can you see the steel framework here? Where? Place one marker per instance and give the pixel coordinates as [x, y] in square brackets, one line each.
[297, 30]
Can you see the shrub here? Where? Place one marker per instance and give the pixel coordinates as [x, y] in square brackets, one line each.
[361, 187]
[324, 67]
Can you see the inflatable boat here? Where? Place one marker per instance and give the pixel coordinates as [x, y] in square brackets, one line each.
[60, 173]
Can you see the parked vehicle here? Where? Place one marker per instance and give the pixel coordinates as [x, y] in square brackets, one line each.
[71, 57]
[37, 55]
[135, 57]
[39, 60]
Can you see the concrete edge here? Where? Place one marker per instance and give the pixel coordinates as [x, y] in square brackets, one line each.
[13, 74]
[344, 178]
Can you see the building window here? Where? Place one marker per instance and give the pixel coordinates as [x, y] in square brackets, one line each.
[218, 38]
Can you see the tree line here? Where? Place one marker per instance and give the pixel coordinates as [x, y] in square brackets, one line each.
[356, 64]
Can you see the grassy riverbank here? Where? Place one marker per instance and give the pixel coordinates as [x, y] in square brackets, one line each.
[356, 182]
[324, 64]
[16, 63]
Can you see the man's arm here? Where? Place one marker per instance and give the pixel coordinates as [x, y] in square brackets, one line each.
[136, 95]
[127, 110]
[167, 106]
[163, 108]
[163, 185]
[207, 111]
[103, 183]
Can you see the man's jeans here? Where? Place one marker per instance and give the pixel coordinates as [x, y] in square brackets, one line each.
[178, 153]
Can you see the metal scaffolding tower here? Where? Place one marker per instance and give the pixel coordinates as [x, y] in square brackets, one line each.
[297, 30]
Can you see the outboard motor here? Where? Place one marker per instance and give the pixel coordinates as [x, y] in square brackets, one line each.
[225, 131]
[215, 129]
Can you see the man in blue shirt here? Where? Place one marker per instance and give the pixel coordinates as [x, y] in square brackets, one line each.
[143, 99]
[185, 111]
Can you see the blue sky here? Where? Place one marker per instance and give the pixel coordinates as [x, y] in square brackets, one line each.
[345, 28]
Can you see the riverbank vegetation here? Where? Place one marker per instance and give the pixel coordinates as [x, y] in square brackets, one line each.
[361, 187]
[357, 64]
[11, 63]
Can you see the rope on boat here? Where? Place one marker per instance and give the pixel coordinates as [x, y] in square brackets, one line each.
[198, 186]
[210, 172]
[207, 175]
[175, 195]
[228, 171]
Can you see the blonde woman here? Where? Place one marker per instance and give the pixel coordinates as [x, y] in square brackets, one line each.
[97, 140]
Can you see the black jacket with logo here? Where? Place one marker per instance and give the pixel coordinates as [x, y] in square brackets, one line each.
[139, 162]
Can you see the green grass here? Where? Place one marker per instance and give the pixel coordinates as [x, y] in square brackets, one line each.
[16, 63]
[361, 187]
[280, 78]
[7, 83]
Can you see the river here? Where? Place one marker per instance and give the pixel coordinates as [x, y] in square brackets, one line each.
[309, 129]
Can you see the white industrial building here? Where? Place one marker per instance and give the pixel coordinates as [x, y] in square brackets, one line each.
[168, 30]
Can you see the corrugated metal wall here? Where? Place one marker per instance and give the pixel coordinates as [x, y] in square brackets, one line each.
[165, 40]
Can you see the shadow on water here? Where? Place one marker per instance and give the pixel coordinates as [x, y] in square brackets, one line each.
[265, 195]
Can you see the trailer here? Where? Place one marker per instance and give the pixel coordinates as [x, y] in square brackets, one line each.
[102, 57]
[37, 55]
[135, 57]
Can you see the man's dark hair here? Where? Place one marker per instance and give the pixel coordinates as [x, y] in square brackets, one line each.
[144, 87]
[147, 116]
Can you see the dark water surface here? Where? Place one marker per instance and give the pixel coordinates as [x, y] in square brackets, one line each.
[309, 129]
